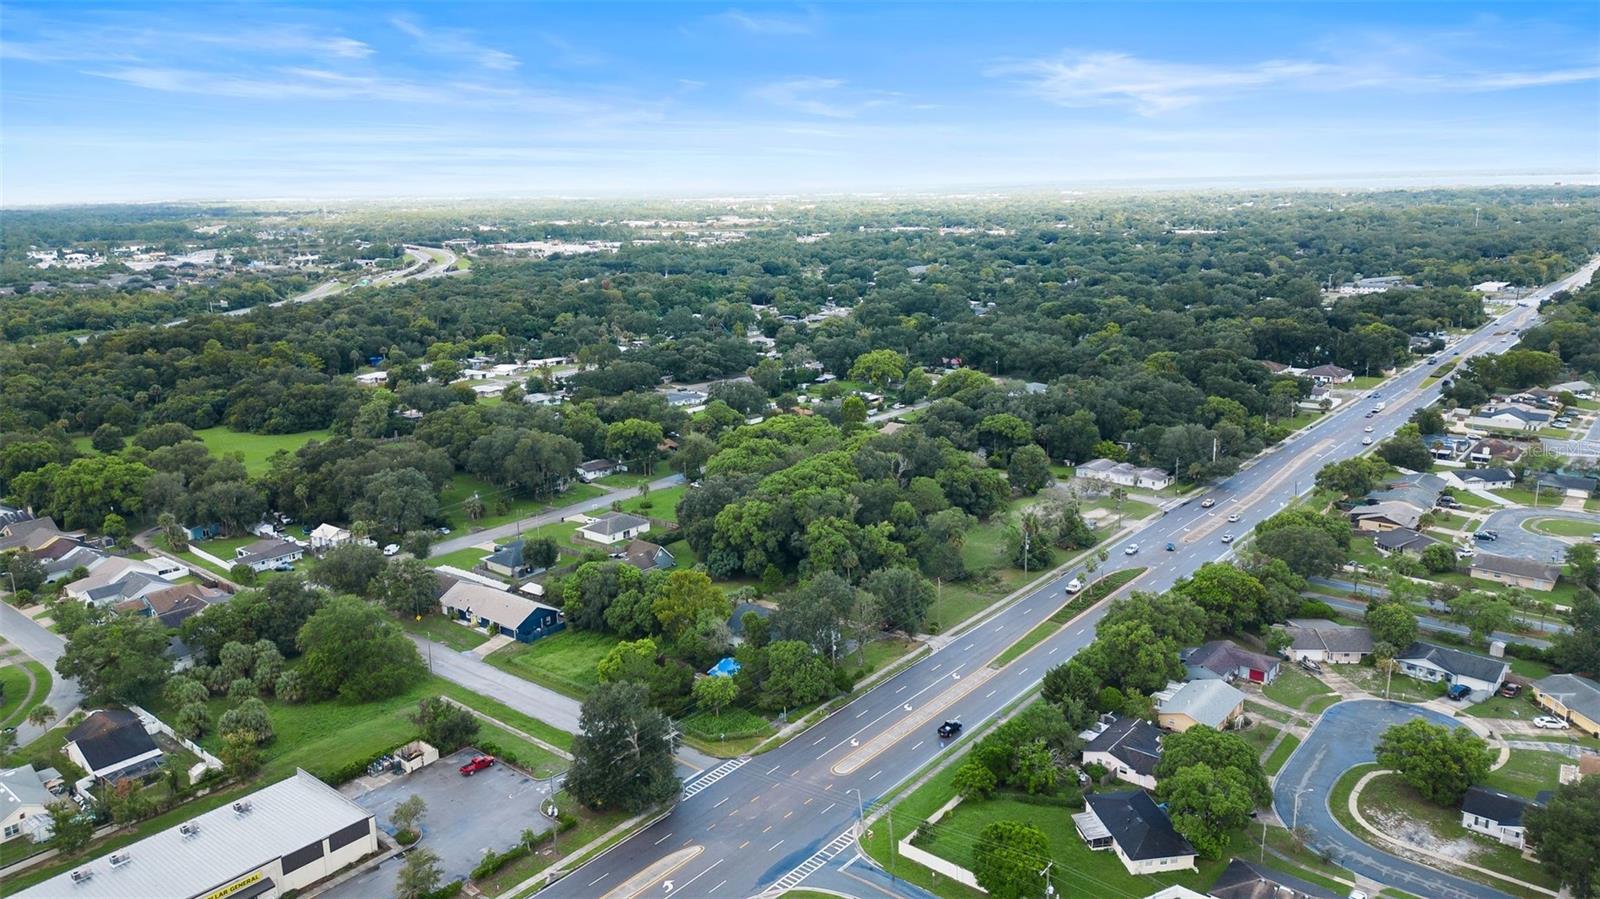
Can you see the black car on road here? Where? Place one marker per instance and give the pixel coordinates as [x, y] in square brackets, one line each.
[949, 729]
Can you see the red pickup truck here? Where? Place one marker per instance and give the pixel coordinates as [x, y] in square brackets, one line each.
[477, 764]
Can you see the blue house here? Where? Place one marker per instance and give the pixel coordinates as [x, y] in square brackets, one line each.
[500, 612]
[198, 532]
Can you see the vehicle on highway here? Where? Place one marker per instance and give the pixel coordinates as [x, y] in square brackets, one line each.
[1227, 538]
[478, 763]
[1132, 548]
[1458, 692]
[949, 729]
[1380, 407]
[1370, 414]
[1510, 689]
[1207, 503]
[1233, 517]
[1366, 441]
[1549, 722]
[1172, 546]
[1074, 585]
[1368, 429]
[1433, 360]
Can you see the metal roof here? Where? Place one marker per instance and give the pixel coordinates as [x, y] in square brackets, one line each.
[286, 816]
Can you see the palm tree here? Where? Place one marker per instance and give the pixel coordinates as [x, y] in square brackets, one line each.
[473, 506]
[41, 714]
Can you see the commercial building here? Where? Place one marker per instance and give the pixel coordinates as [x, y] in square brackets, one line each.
[281, 838]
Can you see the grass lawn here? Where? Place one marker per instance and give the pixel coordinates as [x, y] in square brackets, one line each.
[1450, 520]
[1275, 762]
[461, 558]
[625, 479]
[1365, 382]
[1028, 641]
[257, 449]
[1259, 735]
[661, 504]
[564, 662]
[19, 700]
[1391, 804]
[1562, 527]
[1401, 688]
[1305, 417]
[1526, 772]
[1077, 870]
[453, 498]
[1292, 688]
[1306, 864]
[223, 547]
[1501, 707]
[1471, 500]
[1132, 509]
[442, 630]
[1262, 711]
[1525, 497]
[734, 723]
[1564, 593]
[887, 651]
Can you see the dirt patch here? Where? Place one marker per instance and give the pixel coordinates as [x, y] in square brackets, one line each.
[1400, 827]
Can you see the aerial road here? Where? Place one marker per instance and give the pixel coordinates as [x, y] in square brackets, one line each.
[767, 822]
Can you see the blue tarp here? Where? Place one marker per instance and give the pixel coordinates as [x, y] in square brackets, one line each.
[728, 667]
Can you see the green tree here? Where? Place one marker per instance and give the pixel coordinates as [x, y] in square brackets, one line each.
[681, 597]
[853, 411]
[70, 827]
[249, 718]
[634, 441]
[444, 724]
[798, 677]
[407, 814]
[1565, 832]
[879, 368]
[1308, 551]
[349, 568]
[407, 587]
[904, 597]
[352, 650]
[420, 875]
[1035, 768]
[397, 500]
[1351, 477]
[1231, 598]
[1218, 750]
[1391, 623]
[715, 693]
[240, 755]
[120, 658]
[635, 661]
[622, 755]
[1439, 558]
[974, 781]
[1028, 470]
[1207, 805]
[1482, 613]
[1009, 860]
[1440, 762]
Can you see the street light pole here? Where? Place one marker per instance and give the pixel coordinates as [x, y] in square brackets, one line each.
[1294, 819]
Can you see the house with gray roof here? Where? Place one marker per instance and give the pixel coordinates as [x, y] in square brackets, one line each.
[24, 799]
[1404, 541]
[1323, 641]
[1572, 698]
[1229, 661]
[1385, 516]
[1132, 825]
[1578, 485]
[1497, 814]
[1487, 478]
[1213, 703]
[1433, 663]
[263, 555]
[1129, 748]
[1248, 880]
[614, 527]
[1515, 572]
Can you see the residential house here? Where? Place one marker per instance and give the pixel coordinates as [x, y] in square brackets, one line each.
[1275, 368]
[194, 533]
[1428, 662]
[1129, 748]
[1229, 661]
[107, 572]
[1385, 517]
[326, 536]
[1320, 640]
[127, 589]
[686, 399]
[500, 612]
[1486, 478]
[1492, 449]
[112, 745]
[595, 469]
[1404, 541]
[1419, 490]
[1124, 474]
[173, 605]
[1131, 825]
[1583, 390]
[263, 555]
[1213, 703]
[1497, 814]
[25, 798]
[1575, 485]
[1446, 447]
[29, 534]
[1571, 698]
[1249, 880]
[62, 556]
[507, 559]
[1330, 374]
[372, 378]
[647, 556]
[614, 527]
[1509, 418]
[1515, 572]
[1537, 396]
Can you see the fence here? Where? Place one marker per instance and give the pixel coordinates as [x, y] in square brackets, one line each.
[207, 760]
[935, 863]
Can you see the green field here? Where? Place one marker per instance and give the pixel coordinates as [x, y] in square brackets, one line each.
[625, 479]
[1275, 762]
[1562, 527]
[255, 448]
[440, 629]
[661, 504]
[461, 558]
[564, 662]
[1293, 688]
[19, 699]
[1525, 773]
[462, 485]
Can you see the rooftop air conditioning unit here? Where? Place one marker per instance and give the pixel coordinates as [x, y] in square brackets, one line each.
[242, 807]
[118, 859]
[81, 875]
[189, 829]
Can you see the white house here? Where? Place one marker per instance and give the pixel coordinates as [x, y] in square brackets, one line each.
[270, 553]
[327, 536]
[595, 469]
[1124, 474]
[113, 570]
[112, 745]
[614, 527]
[1497, 814]
[24, 797]
[1427, 662]
[1320, 640]
[1129, 748]
[372, 378]
[1509, 418]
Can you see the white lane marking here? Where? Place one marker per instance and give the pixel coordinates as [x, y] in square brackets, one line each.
[876, 773]
[772, 769]
[919, 743]
[715, 888]
[685, 885]
[989, 694]
[658, 842]
[598, 879]
[719, 803]
[775, 846]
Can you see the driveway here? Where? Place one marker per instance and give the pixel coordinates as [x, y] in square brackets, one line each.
[1517, 541]
[1344, 737]
[465, 816]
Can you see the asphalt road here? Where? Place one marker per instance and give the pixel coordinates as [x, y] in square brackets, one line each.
[1343, 738]
[43, 646]
[1429, 623]
[772, 815]
[1516, 541]
[467, 540]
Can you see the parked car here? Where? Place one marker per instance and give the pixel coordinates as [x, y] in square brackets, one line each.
[1510, 689]
[478, 763]
[1207, 503]
[1549, 722]
[283, 566]
[949, 729]
[1485, 535]
[391, 549]
[443, 530]
[1458, 692]
[1227, 538]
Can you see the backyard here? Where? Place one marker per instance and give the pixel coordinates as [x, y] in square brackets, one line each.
[660, 504]
[564, 662]
[1295, 688]
[256, 449]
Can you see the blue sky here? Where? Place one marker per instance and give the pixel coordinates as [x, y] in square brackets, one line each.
[135, 101]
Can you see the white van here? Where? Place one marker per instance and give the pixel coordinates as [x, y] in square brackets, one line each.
[1074, 585]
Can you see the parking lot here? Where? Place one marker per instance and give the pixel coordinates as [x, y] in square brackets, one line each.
[466, 815]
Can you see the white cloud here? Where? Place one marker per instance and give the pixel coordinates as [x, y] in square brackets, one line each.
[816, 96]
[454, 42]
[771, 24]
